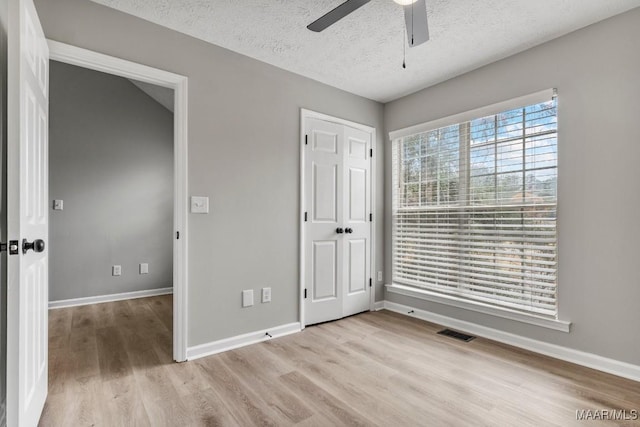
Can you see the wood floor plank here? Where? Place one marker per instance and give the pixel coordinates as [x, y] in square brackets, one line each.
[162, 310]
[243, 403]
[60, 321]
[291, 409]
[113, 359]
[82, 317]
[207, 409]
[326, 404]
[125, 406]
[111, 364]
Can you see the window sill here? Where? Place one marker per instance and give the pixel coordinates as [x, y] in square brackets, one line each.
[558, 325]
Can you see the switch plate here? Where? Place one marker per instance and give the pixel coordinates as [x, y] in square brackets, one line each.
[247, 298]
[144, 268]
[266, 294]
[199, 205]
[58, 205]
[379, 276]
[116, 270]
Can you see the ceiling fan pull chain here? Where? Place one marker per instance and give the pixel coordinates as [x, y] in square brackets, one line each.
[404, 49]
[412, 24]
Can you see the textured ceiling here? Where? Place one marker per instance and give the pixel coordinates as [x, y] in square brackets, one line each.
[362, 53]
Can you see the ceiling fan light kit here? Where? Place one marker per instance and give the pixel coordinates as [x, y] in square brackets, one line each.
[415, 16]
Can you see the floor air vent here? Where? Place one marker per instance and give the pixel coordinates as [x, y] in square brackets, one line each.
[457, 335]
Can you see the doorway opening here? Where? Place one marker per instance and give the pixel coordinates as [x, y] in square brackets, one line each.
[144, 251]
[111, 180]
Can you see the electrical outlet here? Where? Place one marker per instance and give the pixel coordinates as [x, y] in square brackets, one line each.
[379, 276]
[58, 205]
[116, 270]
[199, 205]
[144, 268]
[247, 298]
[266, 294]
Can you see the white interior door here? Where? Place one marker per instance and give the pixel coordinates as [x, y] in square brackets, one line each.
[27, 215]
[324, 164]
[337, 225]
[357, 221]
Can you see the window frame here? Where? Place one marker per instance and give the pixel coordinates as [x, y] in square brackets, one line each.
[462, 302]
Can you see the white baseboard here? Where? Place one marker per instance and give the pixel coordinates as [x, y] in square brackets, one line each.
[590, 360]
[109, 298]
[226, 344]
[378, 305]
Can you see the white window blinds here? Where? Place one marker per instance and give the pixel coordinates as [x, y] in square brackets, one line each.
[474, 209]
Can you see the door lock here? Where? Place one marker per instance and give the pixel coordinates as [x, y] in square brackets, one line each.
[12, 246]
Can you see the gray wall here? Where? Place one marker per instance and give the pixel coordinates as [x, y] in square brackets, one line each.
[244, 153]
[111, 162]
[596, 72]
[3, 208]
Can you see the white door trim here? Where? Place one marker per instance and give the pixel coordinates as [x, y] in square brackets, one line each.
[304, 116]
[108, 64]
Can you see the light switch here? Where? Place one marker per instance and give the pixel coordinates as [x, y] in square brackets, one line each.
[58, 205]
[144, 268]
[199, 205]
[116, 270]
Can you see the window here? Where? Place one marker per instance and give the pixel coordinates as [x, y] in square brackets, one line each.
[474, 209]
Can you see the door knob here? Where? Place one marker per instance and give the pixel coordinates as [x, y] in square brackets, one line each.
[37, 245]
[339, 230]
[348, 230]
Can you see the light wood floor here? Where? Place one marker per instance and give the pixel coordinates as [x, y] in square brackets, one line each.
[110, 365]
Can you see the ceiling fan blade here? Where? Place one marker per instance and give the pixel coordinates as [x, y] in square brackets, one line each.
[336, 14]
[415, 17]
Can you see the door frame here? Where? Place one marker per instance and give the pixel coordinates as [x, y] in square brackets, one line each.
[304, 116]
[84, 58]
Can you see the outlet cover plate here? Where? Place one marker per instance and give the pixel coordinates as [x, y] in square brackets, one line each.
[199, 205]
[116, 270]
[247, 298]
[266, 294]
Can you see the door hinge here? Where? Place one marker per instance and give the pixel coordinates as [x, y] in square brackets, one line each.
[371, 217]
[305, 217]
[305, 293]
[177, 235]
[370, 282]
[306, 139]
[370, 152]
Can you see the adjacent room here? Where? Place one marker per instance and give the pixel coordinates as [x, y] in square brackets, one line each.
[361, 212]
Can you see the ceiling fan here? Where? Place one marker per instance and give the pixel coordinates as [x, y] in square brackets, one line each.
[415, 16]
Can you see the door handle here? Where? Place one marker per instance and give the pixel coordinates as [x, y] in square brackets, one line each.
[37, 245]
[339, 230]
[348, 230]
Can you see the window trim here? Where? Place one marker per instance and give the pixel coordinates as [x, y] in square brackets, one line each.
[480, 307]
[489, 110]
[450, 300]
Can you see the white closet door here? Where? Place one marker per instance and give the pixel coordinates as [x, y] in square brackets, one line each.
[337, 228]
[324, 165]
[357, 207]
